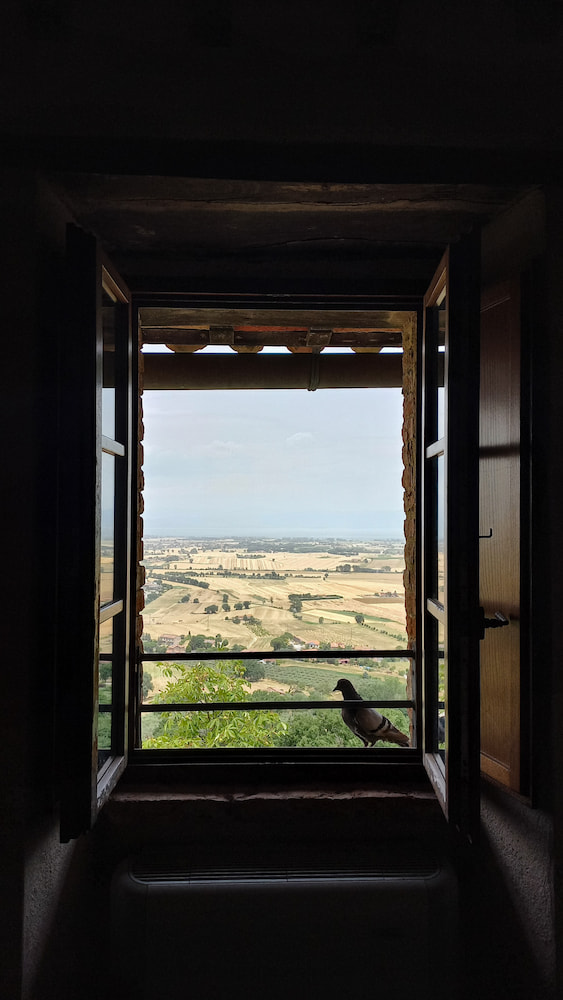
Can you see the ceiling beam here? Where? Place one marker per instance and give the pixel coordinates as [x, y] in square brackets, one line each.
[259, 371]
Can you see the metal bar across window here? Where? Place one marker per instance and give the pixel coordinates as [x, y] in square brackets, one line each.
[264, 706]
[284, 654]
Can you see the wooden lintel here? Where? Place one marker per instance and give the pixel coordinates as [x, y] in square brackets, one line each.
[269, 371]
[223, 335]
[274, 338]
[172, 317]
[318, 337]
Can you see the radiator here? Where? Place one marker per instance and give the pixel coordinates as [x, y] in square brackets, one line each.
[290, 931]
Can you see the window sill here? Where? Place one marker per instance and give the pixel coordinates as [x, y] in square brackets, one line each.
[171, 807]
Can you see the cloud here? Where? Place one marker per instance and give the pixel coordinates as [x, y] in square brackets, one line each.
[298, 439]
[222, 448]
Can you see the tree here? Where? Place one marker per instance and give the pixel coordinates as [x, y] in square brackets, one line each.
[316, 728]
[253, 670]
[201, 682]
[281, 641]
[104, 672]
[147, 683]
[360, 619]
[296, 606]
[211, 609]
[238, 606]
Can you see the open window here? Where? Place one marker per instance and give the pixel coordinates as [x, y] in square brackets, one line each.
[99, 724]
[322, 636]
[449, 465]
[94, 529]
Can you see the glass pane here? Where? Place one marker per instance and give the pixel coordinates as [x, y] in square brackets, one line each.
[108, 391]
[105, 690]
[435, 556]
[271, 680]
[440, 534]
[442, 693]
[441, 349]
[108, 530]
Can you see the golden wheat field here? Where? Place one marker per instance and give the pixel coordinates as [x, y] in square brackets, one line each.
[236, 576]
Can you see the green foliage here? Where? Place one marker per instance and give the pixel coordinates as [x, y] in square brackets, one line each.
[198, 642]
[253, 670]
[147, 683]
[104, 671]
[211, 609]
[317, 728]
[211, 681]
[153, 646]
[184, 578]
[360, 619]
[281, 641]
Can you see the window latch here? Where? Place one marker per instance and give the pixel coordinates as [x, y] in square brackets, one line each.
[499, 621]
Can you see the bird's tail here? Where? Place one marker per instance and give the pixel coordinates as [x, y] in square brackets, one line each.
[390, 733]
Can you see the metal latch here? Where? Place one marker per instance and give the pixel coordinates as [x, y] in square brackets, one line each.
[499, 621]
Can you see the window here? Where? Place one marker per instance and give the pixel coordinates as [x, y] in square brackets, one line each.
[94, 532]
[449, 519]
[180, 327]
[99, 587]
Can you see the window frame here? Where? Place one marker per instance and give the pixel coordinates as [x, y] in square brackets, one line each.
[455, 773]
[82, 793]
[84, 784]
[256, 764]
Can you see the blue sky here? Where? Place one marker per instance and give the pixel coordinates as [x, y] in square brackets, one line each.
[273, 462]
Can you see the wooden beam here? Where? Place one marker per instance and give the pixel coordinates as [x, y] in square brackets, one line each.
[268, 371]
[172, 318]
[196, 339]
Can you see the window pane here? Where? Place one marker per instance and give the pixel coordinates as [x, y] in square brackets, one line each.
[108, 390]
[442, 694]
[436, 581]
[108, 530]
[440, 534]
[105, 690]
[440, 366]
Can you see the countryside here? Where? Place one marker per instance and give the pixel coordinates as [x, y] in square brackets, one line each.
[270, 595]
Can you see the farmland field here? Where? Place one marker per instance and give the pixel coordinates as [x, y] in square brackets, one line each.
[269, 596]
[251, 592]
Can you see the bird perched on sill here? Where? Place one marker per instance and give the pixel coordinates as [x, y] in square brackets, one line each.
[367, 723]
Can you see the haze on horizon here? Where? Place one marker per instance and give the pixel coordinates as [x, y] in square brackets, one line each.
[273, 463]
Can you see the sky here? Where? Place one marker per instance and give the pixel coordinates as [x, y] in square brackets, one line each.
[273, 463]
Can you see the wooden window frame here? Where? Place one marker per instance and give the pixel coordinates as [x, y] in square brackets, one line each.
[84, 784]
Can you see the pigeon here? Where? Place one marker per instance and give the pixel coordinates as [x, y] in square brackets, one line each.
[367, 723]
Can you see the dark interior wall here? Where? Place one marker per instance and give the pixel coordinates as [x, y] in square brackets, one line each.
[37, 871]
[471, 74]
[379, 72]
